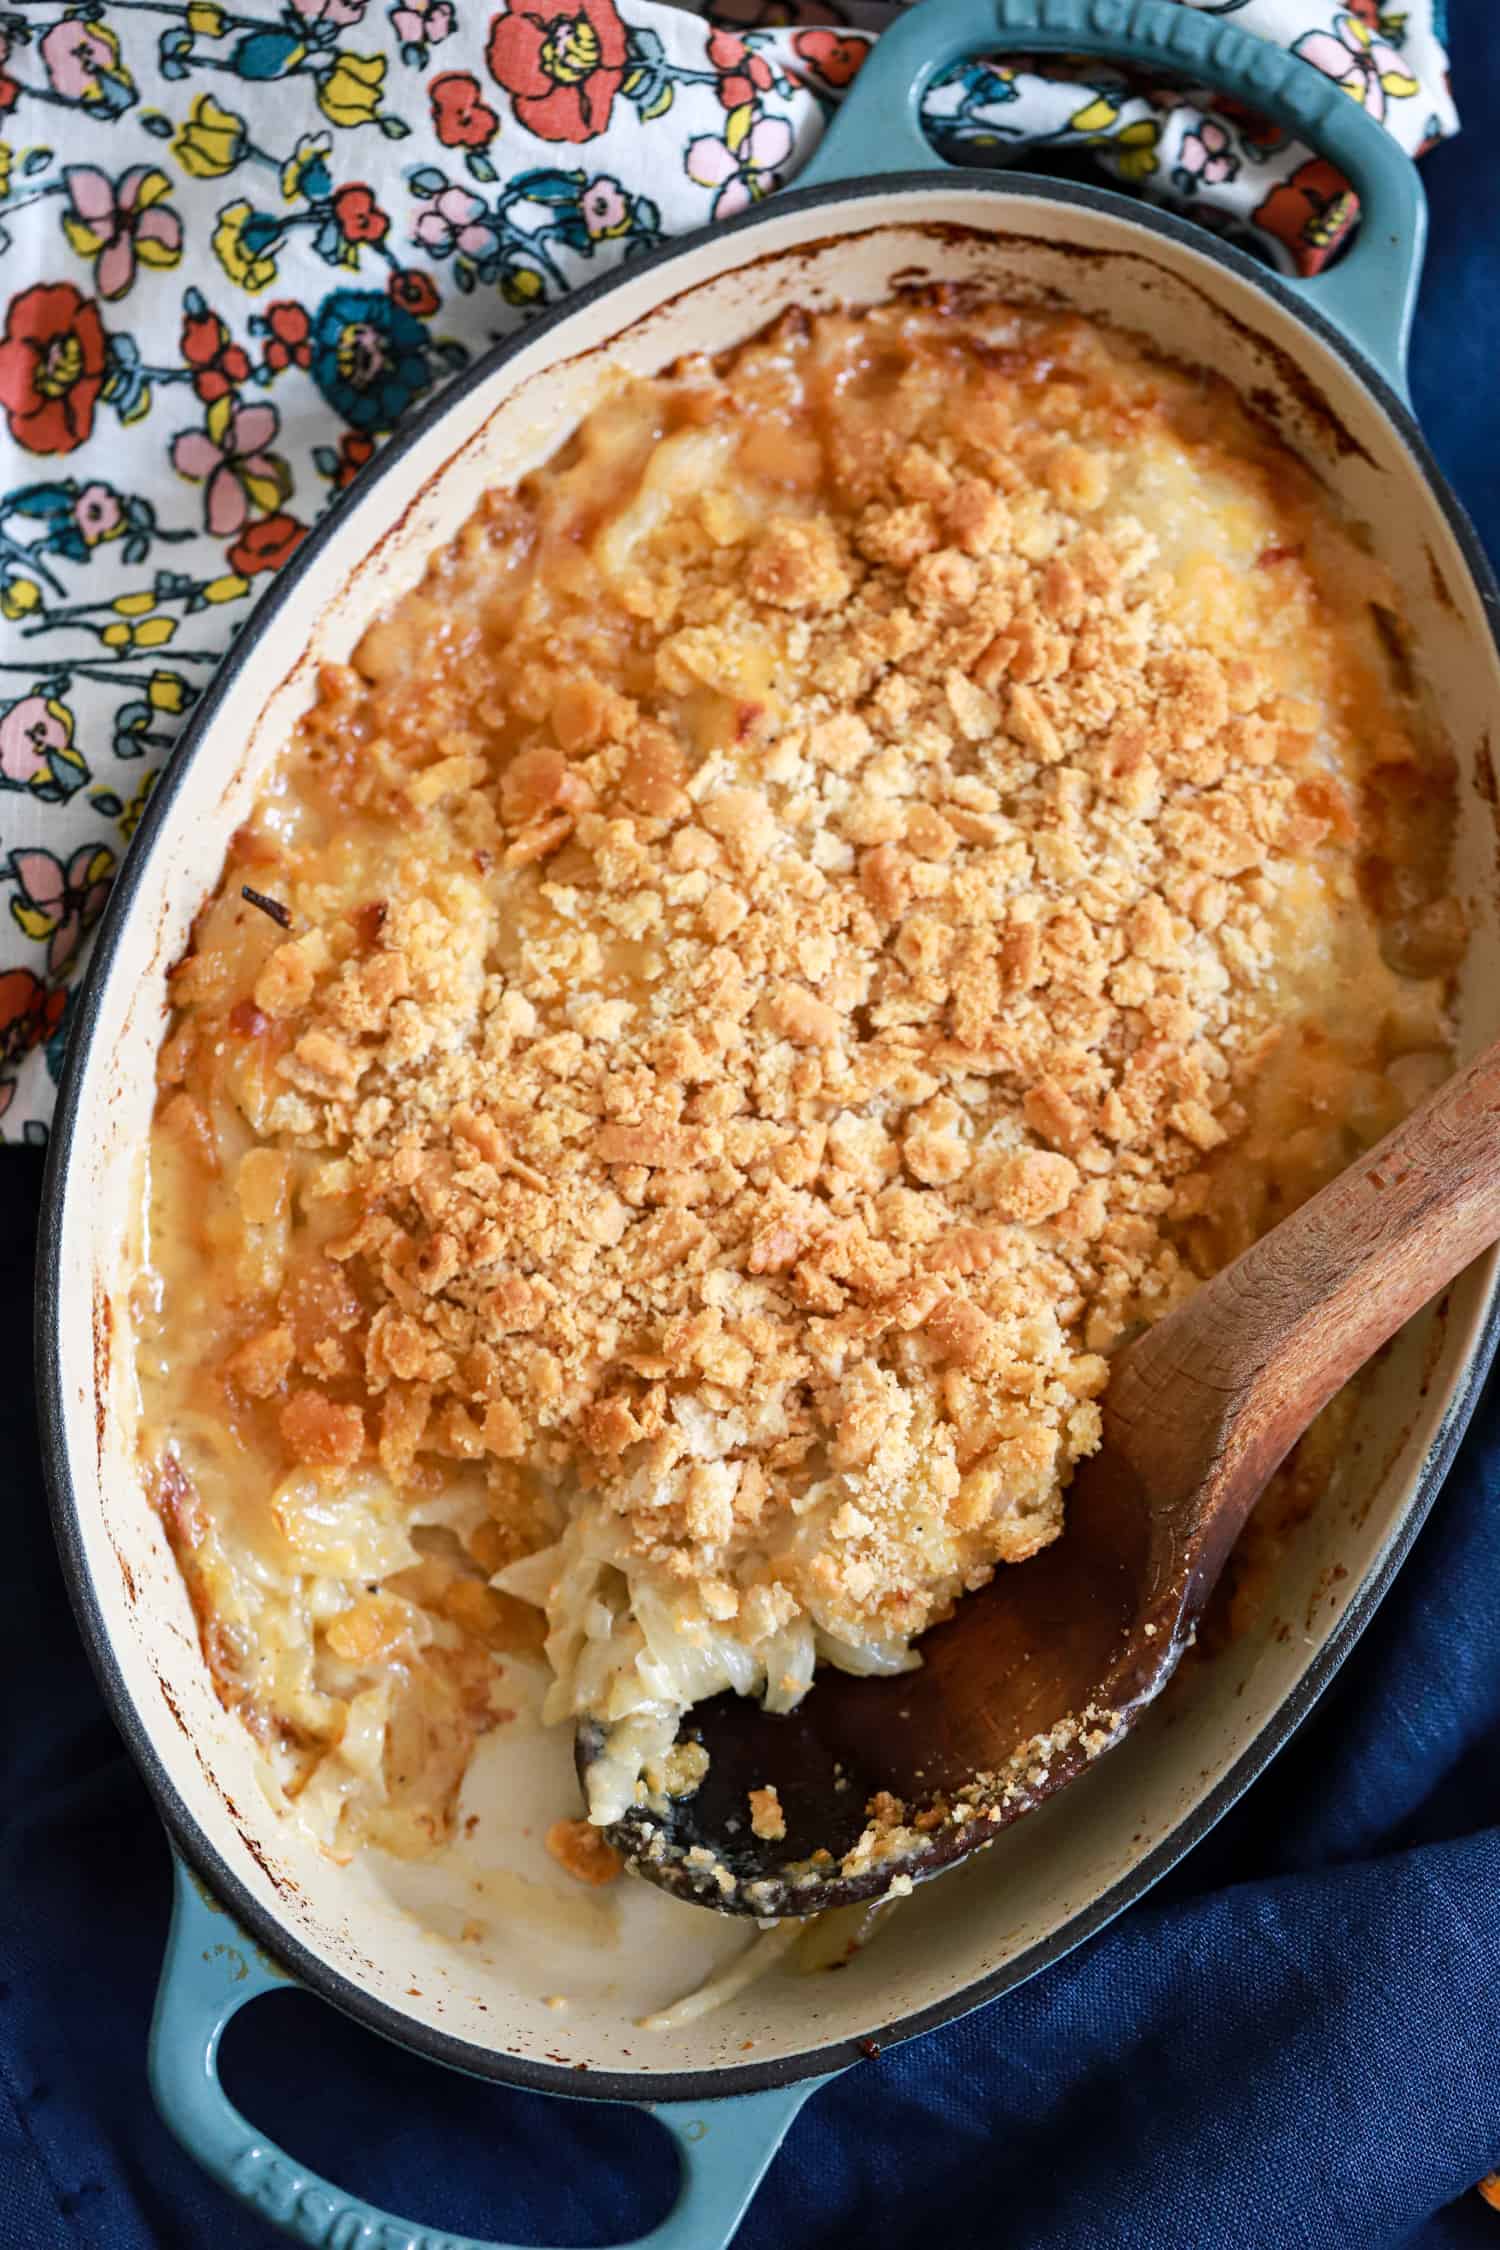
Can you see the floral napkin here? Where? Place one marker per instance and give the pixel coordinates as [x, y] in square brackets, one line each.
[241, 239]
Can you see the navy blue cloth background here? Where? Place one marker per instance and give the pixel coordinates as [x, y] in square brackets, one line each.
[1293, 2044]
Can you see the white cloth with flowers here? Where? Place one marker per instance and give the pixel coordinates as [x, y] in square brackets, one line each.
[241, 239]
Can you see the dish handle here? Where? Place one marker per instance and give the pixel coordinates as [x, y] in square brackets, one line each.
[212, 1969]
[1369, 295]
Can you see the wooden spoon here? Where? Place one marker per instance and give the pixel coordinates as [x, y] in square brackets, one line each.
[1033, 1677]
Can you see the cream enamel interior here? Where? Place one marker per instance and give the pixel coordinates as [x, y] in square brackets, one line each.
[396, 1931]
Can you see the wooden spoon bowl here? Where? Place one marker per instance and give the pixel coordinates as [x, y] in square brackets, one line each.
[889, 1781]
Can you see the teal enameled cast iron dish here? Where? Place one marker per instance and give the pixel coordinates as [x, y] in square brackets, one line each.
[256, 1901]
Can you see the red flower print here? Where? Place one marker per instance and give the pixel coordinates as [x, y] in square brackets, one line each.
[287, 338]
[1311, 212]
[562, 62]
[355, 449]
[9, 87]
[29, 1013]
[414, 293]
[460, 119]
[217, 361]
[266, 545]
[830, 56]
[1261, 134]
[51, 367]
[744, 73]
[359, 216]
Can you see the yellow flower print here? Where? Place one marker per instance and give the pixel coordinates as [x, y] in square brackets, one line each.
[241, 243]
[1135, 149]
[520, 286]
[1096, 116]
[19, 597]
[130, 819]
[305, 172]
[1132, 147]
[350, 93]
[152, 632]
[204, 18]
[6, 160]
[212, 141]
[167, 691]
[227, 589]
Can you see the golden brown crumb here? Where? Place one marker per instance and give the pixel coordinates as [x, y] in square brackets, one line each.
[766, 1817]
[797, 565]
[320, 1432]
[262, 1364]
[583, 1851]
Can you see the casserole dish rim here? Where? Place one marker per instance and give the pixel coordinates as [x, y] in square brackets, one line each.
[332, 1984]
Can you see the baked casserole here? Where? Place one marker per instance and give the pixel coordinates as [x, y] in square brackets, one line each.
[899, 852]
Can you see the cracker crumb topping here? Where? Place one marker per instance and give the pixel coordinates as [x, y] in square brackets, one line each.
[766, 1817]
[833, 903]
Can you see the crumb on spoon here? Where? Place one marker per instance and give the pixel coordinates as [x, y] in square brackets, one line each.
[767, 1819]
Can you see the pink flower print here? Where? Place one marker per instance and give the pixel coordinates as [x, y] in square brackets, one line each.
[36, 748]
[60, 903]
[80, 58]
[338, 13]
[1207, 154]
[1356, 59]
[119, 225]
[605, 208]
[230, 457]
[98, 514]
[742, 166]
[423, 23]
[449, 223]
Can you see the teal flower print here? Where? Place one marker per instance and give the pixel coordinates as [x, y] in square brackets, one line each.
[305, 174]
[369, 358]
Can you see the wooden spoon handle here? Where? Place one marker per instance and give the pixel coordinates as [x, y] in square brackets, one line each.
[1215, 1395]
